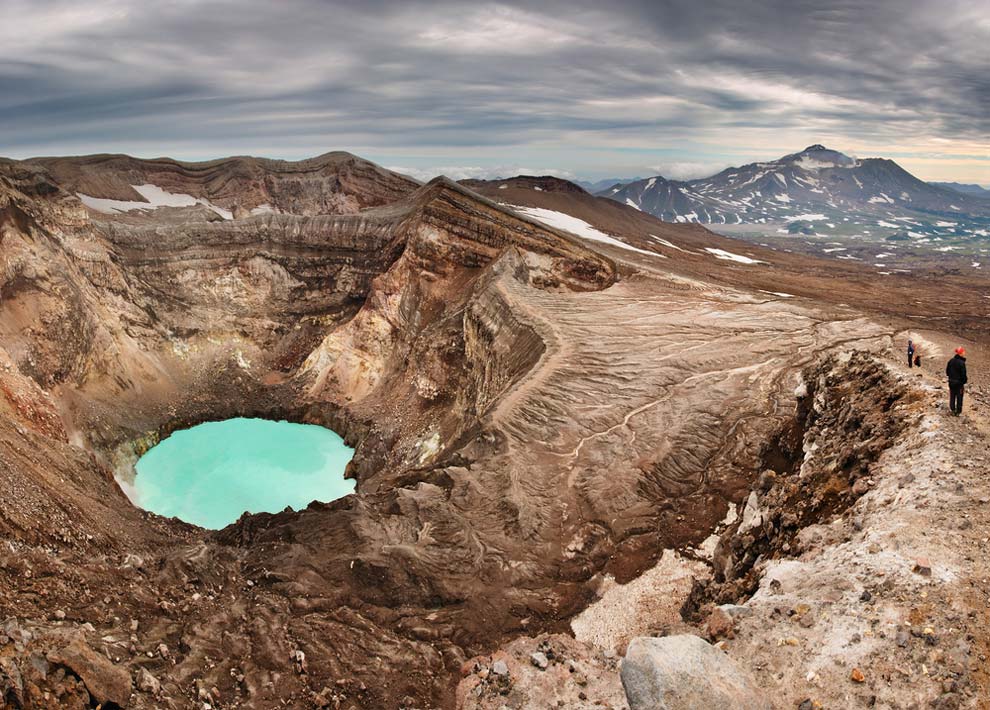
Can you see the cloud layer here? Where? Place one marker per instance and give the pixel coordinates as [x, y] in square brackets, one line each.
[587, 88]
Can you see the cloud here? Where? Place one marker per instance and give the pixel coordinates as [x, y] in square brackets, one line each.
[496, 30]
[687, 170]
[585, 86]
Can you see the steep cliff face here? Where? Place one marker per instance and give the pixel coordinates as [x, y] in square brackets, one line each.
[450, 236]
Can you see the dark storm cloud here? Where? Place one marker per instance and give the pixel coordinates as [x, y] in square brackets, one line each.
[294, 77]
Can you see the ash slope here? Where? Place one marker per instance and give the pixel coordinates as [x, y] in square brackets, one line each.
[531, 411]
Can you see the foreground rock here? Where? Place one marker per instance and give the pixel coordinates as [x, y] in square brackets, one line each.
[685, 673]
[550, 671]
[105, 682]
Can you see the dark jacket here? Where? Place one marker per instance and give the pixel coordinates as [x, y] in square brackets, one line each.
[955, 370]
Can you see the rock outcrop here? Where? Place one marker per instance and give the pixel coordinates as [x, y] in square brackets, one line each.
[106, 683]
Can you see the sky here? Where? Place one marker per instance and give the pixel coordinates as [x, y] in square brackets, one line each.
[578, 89]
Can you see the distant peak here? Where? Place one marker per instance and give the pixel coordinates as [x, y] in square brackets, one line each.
[818, 156]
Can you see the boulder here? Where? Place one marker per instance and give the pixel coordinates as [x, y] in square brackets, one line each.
[539, 659]
[11, 683]
[105, 682]
[753, 514]
[500, 668]
[685, 673]
[720, 625]
[147, 682]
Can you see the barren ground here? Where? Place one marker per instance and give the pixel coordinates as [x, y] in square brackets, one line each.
[554, 436]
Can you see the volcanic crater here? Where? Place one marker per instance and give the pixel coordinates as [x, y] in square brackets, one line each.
[531, 412]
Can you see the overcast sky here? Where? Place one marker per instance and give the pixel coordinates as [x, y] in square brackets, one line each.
[581, 89]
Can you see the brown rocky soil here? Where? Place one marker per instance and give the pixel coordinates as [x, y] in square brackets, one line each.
[537, 419]
[869, 590]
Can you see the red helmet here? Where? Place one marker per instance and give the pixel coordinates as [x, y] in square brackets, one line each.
[960, 350]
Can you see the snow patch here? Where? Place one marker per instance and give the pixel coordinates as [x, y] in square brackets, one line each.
[881, 198]
[566, 222]
[156, 197]
[729, 256]
[660, 240]
[806, 218]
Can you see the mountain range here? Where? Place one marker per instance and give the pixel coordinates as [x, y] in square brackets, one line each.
[594, 186]
[815, 191]
[965, 188]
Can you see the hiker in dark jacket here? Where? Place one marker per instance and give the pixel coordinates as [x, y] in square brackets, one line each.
[910, 353]
[955, 370]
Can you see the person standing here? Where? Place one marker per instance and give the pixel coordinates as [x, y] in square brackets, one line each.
[955, 370]
[910, 353]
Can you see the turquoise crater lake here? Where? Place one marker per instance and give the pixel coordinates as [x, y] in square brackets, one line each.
[210, 474]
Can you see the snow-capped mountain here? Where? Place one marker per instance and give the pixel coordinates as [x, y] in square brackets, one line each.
[815, 184]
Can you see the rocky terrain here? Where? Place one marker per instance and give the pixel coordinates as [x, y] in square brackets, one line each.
[574, 425]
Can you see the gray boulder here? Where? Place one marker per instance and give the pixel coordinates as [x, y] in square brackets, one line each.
[685, 673]
[147, 682]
